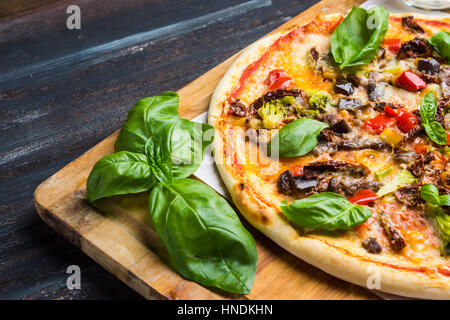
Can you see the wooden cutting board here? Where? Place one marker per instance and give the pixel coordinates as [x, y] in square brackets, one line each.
[116, 234]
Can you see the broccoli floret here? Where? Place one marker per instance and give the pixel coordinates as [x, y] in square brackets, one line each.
[272, 113]
[320, 100]
[288, 100]
[308, 113]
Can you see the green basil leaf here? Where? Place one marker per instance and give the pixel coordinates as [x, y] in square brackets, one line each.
[430, 193]
[428, 107]
[187, 143]
[159, 160]
[148, 117]
[325, 211]
[445, 200]
[204, 237]
[358, 37]
[441, 44]
[436, 132]
[296, 138]
[120, 173]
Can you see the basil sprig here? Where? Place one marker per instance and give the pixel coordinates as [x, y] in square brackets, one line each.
[358, 37]
[434, 129]
[158, 150]
[440, 42]
[325, 211]
[430, 193]
[296, 138]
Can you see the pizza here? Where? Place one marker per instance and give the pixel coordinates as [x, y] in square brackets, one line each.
[358, 181]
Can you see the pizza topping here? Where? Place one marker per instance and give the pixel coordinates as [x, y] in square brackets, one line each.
[403, 178]
[375, 89]
[408, 195]
[297, 138]
[409, 23]
[319, 168]
[343, 87]
[239, 109]
[428, 111]
[418, 47]
[360, 143]
[273, 95]
[358, 37]
[325, 211]
[441, 44]
[405, 155]
[379, 123]
[444, 75]
[320, 100]
[393, 45]
[429, 66]
[272, 112]
[294, 185]
[278, 79]
[349, 104]
[396, 239]
[372, 245]
[410, 81]
[341, 126]
[406, 121]
[364, 196]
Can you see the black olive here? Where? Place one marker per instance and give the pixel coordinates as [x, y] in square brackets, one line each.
[349, 104]
[341, 127]
[343, 87]
[429, 66]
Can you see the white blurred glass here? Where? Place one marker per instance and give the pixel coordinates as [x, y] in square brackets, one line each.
[429, 4]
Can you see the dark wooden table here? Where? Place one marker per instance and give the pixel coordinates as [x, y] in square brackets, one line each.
[62, 91]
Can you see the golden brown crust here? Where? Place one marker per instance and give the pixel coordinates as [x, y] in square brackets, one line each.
[343, 258]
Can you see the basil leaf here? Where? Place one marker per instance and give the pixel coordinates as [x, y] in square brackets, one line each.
[445, 200]
[120, 173]
[430, 193]
[296, 138]
[428, 107]
[325, 211]
[441, 44]
[358, 37]
[148, 117]
[434, 129]
[187, 143]
[436, 132]
[204, 237]
[159, 160]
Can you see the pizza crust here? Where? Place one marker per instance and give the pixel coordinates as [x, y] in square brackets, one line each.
[354, 265]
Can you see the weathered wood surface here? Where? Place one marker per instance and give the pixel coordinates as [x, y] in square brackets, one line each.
[53, 109]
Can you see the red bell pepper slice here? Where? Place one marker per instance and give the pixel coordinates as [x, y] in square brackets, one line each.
[410, 81]
[363, 197]
[391, 112]
[448, 138]
[278, 79]
[406, 121]
[379, 123]
[392, 45]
